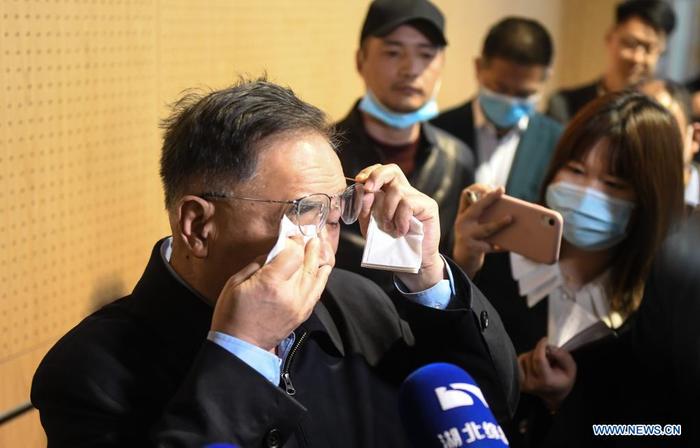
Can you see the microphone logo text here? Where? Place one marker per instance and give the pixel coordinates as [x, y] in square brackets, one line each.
[473, 433]
[460, 394]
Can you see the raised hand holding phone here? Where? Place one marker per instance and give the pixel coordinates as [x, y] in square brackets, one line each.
[470, 244]
[489, 220]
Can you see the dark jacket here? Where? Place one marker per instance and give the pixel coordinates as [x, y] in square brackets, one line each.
[649, 373]
[444, 166]
[566, 103]
[532, 425]
[666, 337]
[644, 374]
[531, 157]
[140, 372]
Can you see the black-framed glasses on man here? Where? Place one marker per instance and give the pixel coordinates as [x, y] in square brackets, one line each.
[312, 209]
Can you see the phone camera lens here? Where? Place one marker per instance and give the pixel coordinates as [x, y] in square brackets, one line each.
[551, 221]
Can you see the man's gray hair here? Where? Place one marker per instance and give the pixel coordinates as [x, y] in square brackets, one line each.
[213, 139]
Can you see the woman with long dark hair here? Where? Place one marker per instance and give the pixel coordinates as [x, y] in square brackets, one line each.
[617, 179]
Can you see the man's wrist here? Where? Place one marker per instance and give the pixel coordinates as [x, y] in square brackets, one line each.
[428, 276]
[263, 361]
[268, 346]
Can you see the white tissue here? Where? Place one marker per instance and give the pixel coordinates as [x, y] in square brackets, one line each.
[383, 251]
[289, 229]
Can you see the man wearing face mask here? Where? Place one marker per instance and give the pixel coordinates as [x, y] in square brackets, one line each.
[400, 60]
[512, 142]
[634, 45]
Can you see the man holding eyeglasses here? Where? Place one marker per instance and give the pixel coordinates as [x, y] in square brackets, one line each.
[216, 345]
[634, 44]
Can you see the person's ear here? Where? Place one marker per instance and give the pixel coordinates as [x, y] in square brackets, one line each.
[479, 67]
[663, 42]
[695, 143]
[441, 57]
[195, 224]
[548, 72]
[359, 59]
[609, 35]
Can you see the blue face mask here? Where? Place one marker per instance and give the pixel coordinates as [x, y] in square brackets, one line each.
[370, 105]
[505, 111]
[592, 219]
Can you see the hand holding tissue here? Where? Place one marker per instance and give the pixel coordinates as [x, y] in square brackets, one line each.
[413, 217]
[287, 230]
[397, 254]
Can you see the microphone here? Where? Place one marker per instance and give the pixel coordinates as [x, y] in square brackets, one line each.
[442, 406]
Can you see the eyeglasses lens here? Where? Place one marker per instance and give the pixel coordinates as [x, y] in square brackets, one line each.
[352, 203]
[311, 211]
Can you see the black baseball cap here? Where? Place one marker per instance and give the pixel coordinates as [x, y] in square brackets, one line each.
[383, 16]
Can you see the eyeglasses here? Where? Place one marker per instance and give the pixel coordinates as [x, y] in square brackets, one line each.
[630, 43]
[314, 209]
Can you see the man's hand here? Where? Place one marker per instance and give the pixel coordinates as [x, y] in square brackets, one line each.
[262, 305]
[548, 372]
[470, 244]
[393, 202]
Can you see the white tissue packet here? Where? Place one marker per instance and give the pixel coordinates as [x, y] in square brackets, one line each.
[288, 229]
[383, 251]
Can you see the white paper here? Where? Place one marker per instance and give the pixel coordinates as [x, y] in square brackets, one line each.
[592, 333]
[289, 229]
[383, 251]
[535, 280]
[573, 326]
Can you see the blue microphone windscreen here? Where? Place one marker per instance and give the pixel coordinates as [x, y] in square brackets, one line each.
[442, 406]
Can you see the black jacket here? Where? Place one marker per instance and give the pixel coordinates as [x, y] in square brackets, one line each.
[649, 373]
[566, 103]
[666, 335]
[646, 373]
[444, 166]
[140, 372]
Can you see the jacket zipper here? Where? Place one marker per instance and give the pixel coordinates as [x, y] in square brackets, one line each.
[286, 378]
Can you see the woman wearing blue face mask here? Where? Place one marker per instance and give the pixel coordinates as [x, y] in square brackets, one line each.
[616, 178]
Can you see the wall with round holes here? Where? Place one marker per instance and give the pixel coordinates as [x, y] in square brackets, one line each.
[79, 193]
[83, 85]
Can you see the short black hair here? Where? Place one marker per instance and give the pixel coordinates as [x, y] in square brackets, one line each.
[519, 40]
[656, 13]
[212, 140]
